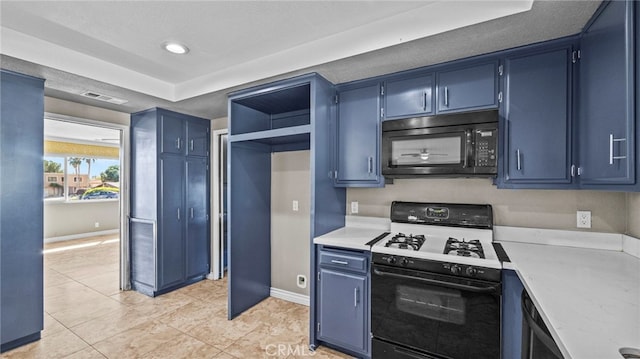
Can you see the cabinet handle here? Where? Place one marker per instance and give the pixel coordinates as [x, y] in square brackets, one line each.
[191, 145]
[178, 143]
[370, 164]
[339, 262]
[573, 170]
[446, 96]
[178, 213]
[191, 212]
[611, 141]
[424, 100]
[518, 160]
[355, 296]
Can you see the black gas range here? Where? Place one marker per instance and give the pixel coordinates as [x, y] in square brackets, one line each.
[435, 289]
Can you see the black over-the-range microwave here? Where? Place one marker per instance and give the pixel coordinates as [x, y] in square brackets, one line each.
[451, 145]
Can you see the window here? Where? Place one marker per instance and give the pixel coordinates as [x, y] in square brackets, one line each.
[87, 178]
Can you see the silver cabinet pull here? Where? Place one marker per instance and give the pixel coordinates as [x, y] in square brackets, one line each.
[518, 160]
[355, 296]
[178, 213]
[611, 141]
[191, 212]
[339, 262]
[446, 96]
[191, 145]
[178, 144]
[573, 170]
[370, 164]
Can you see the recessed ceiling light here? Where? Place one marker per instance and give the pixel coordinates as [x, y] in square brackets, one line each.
[175, 48]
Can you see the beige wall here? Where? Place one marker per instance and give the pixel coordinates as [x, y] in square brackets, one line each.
[633, 214]
[219, 123]
[62, 107]
[290, 230]
[519, 208]
[64, 219]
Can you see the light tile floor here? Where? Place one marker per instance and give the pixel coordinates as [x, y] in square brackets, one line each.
[87, 316]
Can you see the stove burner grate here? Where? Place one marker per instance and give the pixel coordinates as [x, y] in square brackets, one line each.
[403, 241]
[463, 248]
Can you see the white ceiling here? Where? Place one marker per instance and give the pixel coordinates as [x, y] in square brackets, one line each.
[113, 47]
[231, 42]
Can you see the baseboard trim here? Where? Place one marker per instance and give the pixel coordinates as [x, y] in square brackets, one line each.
[81, 235]
[289, 296]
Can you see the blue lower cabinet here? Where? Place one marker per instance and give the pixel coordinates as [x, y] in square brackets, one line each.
[21, 229]
[511, 315]
[343, 302]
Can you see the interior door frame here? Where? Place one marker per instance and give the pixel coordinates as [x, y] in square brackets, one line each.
[125, 156]
[217, 243]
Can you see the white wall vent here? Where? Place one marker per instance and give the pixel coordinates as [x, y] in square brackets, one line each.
[105, 98]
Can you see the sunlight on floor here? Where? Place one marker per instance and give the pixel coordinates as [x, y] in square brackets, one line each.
[78, 246]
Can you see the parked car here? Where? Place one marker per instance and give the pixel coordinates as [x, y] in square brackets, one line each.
[101, 193]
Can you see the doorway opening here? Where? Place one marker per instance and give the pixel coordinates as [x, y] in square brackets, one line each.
[219, 253]
[85, 195]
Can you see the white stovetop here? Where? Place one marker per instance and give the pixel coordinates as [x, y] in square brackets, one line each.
[435, 239]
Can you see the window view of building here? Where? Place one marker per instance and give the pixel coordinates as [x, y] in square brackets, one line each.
[86, 178]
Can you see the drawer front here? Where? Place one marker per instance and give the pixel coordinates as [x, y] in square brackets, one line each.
[345, 261]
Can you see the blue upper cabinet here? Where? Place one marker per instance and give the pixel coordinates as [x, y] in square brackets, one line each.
[467, 88]
[537, 119]
[358, 137]
[197, 138]
[172, 133]
[606, 114]
[408, 97]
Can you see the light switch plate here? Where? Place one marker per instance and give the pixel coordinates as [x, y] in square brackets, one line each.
[354, 207]
[295, 206]
[583, 219]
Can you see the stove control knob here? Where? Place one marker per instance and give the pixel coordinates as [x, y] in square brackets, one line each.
[404, 261]
[391, 260]
[471, 272]
[455, 269]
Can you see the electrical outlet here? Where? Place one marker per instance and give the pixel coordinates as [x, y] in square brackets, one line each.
[97, 224]
[354, 207]
[583, 219]
[295, 206]
[301, 281]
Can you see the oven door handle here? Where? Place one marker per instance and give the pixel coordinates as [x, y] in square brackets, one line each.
[468, 288]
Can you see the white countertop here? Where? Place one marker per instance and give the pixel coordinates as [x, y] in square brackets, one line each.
[357, 232]
[589, 298]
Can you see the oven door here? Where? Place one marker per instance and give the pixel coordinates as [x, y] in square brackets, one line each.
[438, 315]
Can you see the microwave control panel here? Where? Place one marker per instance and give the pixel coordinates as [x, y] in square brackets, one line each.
[486, 147]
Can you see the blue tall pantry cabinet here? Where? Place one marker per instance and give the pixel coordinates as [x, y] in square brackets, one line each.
[169, 200]
[21, 208]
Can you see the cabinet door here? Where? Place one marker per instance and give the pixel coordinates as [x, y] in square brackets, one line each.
[468, 89]
[537, 115]
[606, 113]
[197, 138]
[511, 315]
[343, 310]
[358, 137]
[171, 244]
[408, 97]
[172, 133]
[197, 213]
